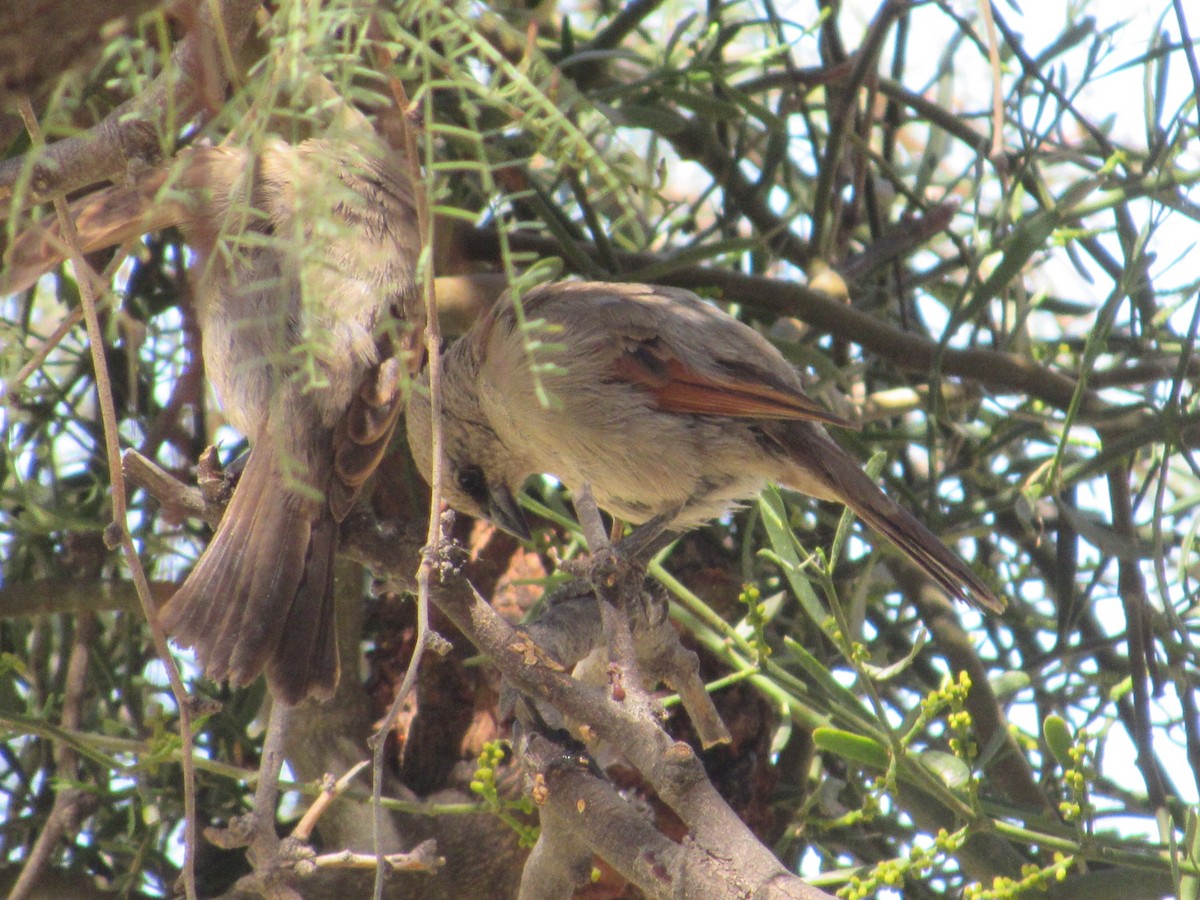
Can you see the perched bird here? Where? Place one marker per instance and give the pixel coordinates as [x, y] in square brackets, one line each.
[306, 259]
[658, 401]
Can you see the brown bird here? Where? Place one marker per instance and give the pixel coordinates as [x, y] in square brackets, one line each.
[661, 403]
[306, 277]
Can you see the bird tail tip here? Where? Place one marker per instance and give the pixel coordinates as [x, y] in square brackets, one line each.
[261, 596]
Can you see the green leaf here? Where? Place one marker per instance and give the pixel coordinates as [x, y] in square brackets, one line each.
[1059, 739]
[1104, 537]
[1027, 238]
[660, 119]
[846, 699]
[1189, 885]
[783, 542]
[883, 673]
[852, 746]
[695, 255]
[953, 771]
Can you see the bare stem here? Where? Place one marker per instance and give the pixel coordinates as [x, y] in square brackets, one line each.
[118, 531]
[411, 115]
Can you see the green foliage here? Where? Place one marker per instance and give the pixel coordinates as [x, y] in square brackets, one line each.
[515, 813]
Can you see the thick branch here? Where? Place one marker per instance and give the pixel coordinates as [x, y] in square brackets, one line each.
[671, 768]
[135, 130]
[569, 629]
[582, 813]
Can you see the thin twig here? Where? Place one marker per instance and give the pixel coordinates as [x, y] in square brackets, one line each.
[118, 532]
[70, 803]
[73, 318]
[1139, 642]
[825, 192]
[588, 514]
[421, 858]
[265, 842]
[183, 500]
[617, 584]
[64, 328]
[330, 792]
[997, 151]
[412, 115]
[1189, 50]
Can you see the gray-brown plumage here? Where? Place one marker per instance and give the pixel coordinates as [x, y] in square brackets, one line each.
[659, 402]
[306, 276]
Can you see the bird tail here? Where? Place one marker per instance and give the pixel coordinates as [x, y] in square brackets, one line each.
[261, 596]
[820, 468]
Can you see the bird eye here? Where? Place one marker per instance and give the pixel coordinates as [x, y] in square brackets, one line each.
[472, 483]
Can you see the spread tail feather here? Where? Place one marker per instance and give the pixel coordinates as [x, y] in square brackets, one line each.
[261, 598]
[827, 465]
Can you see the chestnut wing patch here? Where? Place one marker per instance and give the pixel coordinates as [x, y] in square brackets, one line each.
[678, 388]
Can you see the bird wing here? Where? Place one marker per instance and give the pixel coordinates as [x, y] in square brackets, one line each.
[686, 354]
[678, 388]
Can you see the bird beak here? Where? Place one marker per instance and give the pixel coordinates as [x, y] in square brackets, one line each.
[504, 511]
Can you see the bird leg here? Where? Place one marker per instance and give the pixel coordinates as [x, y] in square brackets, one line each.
[636, 547]
[615, 579]
[648, 538]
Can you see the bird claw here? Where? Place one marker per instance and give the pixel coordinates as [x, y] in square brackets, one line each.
[610, 567]
[648, 538]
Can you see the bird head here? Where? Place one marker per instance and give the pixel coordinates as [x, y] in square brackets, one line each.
[481, 476]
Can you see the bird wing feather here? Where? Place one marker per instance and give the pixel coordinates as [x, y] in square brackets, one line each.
[678, 388]
[678, 355]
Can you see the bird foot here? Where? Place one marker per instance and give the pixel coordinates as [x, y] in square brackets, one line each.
[648, 538]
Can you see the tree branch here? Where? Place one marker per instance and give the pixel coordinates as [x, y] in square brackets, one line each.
[143, 127]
